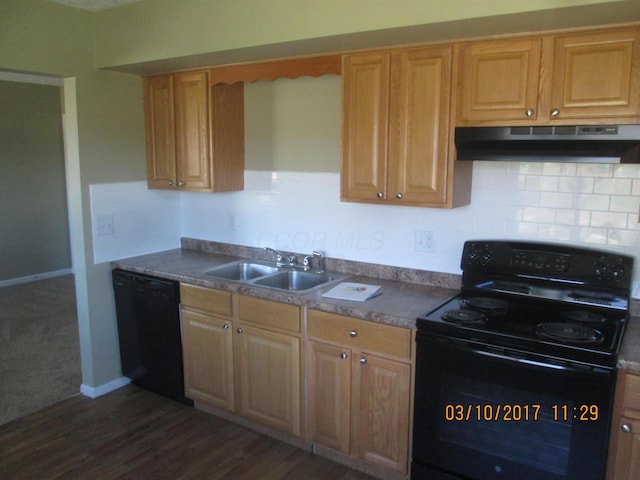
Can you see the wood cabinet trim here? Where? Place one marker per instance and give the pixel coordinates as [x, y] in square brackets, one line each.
[281, 68]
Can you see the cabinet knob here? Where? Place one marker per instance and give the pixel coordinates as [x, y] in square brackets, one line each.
[555, 112]
[343, 355]
[240, 330]
[379, 194]
[530, 111]
[625, 428]
[353, 333]
[170, 182]
[399, 195]
[226, 326]
[363, 360]
[181, 184]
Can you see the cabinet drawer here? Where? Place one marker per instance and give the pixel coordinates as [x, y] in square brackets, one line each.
[206, 299]
[271, 314]
[632, 392]
[361, 334]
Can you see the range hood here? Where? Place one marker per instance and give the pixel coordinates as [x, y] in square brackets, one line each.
[590, 144]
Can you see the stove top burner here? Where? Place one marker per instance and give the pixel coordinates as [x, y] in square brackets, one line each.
[493, 306]
[464, 317]
[583, 316]
[569, 333]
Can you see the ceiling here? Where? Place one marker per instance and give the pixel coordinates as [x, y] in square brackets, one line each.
[93, 5]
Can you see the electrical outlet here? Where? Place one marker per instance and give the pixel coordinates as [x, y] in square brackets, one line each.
[425, 241]
[104, 224]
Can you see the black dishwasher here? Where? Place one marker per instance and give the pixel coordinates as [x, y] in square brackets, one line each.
[148, 315]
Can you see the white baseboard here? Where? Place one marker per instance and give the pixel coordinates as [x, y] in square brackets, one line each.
[95, 392]
[33, 278]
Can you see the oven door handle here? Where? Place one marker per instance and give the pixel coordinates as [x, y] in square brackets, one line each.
[527, 361]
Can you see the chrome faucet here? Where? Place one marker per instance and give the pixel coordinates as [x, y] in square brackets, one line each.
[320, 264]
[281, 259]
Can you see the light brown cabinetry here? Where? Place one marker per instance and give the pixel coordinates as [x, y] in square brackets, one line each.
[624, 447]
[194, 132]
[242, 355]
[269, 366]
[359, 384]
[207, 344]
[587, 77]
[395, 128]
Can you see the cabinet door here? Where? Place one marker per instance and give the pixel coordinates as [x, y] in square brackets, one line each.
[329, 395]
[160, 132]
[419, 133]
[626, 464]
[269, 372]
[208, 359]
[499, 80]
[192, 130]
[594, 75]
[382, 432]
[365, 119]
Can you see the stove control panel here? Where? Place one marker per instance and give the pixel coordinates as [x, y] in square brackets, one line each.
[540, 261]
[546, 261]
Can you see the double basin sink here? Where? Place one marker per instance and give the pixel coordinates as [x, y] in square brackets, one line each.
[266, 274]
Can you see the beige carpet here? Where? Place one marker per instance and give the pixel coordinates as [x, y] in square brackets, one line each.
[39, 346]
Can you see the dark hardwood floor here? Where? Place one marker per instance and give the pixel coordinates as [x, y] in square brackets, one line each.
[133, 433]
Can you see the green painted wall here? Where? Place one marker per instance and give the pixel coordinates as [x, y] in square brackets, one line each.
[34, 238]
[161, 29]
[46, 38]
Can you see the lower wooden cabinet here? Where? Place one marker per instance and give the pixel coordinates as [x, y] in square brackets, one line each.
[359, 388]
[624, 447]
[269, 375]
[242, 355]
[208, 359]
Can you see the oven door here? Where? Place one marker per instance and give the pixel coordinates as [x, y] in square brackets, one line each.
[485, 413]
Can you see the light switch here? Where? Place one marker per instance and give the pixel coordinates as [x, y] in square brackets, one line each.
[104, 224]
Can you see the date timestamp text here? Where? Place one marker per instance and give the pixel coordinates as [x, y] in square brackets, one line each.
[520, 412]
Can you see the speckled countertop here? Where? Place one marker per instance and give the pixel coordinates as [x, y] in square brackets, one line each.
[407, 293]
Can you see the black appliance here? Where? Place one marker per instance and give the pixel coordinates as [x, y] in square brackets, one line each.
[147, 310]
[564, 143]
[515, 375]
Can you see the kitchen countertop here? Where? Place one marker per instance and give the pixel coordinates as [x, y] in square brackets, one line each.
[407, 293]
[400, 303]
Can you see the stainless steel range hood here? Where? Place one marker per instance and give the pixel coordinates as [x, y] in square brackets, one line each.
[591, 144]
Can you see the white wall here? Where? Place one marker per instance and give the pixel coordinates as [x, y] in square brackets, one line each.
[592, 205]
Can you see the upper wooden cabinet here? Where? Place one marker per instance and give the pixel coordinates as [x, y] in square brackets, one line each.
[590, 77]
[395, 128]
[195, 133]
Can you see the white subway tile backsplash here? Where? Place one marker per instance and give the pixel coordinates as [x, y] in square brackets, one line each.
[556, 200]
[608, 220]
[592, 202]
[595, 170]
[576, 184]
[627, 203]
[613, 186]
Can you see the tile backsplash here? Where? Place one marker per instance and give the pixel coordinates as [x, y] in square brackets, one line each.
[590, 205]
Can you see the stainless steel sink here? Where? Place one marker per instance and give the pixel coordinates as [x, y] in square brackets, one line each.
[296, 280]
[266, 274]
[243, 270]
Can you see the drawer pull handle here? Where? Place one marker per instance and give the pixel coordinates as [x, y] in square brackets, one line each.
[363, 360]
[226, 326]
[625, 428]
[240, 330]
[530, 112]
[555, 112]
[380, 195]
[343, 355]
[353, 333]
